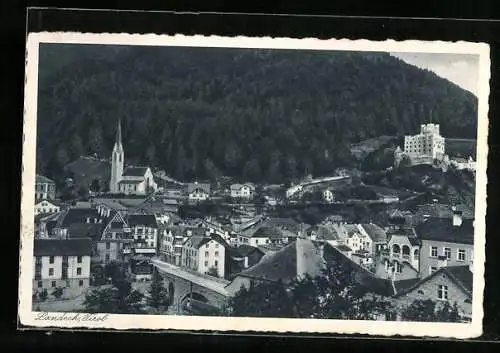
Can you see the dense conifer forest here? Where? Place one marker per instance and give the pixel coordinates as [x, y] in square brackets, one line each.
[259, 115]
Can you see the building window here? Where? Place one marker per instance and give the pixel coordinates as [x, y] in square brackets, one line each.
[107, 257]
[432, 270]
[447, 253]
[434, 251]
[206, 263]
[108, 245]
[80, 283]
[216, 254]
[206, 253]
[442, 292]
[216, 263]
[461, 255]
[53, 284]
[216, 245]
[40, 284]
[51, 271]
[79, 271]
[79, 259]
[399, 267]
[51, 260]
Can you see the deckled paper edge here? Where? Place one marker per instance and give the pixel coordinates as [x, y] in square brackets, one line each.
[255, 325]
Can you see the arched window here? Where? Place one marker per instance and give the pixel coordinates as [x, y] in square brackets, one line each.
[396, 250]
[406, 250]
[415, 254]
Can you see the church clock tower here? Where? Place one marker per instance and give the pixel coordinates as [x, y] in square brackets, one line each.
[117, 160]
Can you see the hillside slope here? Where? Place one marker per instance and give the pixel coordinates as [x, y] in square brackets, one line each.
[252, 114]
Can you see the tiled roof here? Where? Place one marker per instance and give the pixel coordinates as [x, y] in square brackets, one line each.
[268, 232]
[43, 180]
[202, 186]
[135, 171]
[335, 258]
[84, 230]
[63, 247]
[147, 220]
[236, 187]
[376, 233]
[134, 182]
[461, 275]
[78, 215]
[442, 229]
[197, 241]
[245, 250]
[286, 263]
[414, 241]
[343, 247]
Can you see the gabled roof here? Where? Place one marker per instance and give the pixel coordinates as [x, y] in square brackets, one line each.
[245, 250]
[62, 247]
[77, 215]
[297, 258]
[375, 233]
[197, 241]
[40, 179]
[334, 257]
[128, 181]
[442, 229]
[460, 275]
[268, 232]
[198, 186]
[84, 230]
[324, 233]
[135, 171]
[52, 202]
[236, 187]
[147, 220]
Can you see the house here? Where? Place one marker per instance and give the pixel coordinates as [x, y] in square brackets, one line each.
[45, 188]
[266, 235]
[247, 256]
[401, 259]
[198, 191]
[452, 284]
[132, 180]
[242, 191]
[170, 243]
[61, 263]
[325, 233]
[75, 216]
[462, 163]
[144, 229]
[115, 241]
[45, 223]
[328, 195]
[208, 254]
[45, 206]
[377, 238]
[445, 242]
[295, 260]
[141, 268]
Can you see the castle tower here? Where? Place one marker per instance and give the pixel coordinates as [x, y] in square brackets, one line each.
[117, 160]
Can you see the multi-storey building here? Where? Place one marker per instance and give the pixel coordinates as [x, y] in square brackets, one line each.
[61, 263]
[445, 242]
[424, 147]
[45, 188]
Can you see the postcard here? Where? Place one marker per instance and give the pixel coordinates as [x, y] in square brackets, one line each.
[239, 184]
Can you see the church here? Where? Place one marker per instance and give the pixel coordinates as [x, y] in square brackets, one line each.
[132, 180]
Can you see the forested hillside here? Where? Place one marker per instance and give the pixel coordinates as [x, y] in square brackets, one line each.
[259, 115]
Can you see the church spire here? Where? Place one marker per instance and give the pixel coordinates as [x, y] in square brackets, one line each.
[118, 140]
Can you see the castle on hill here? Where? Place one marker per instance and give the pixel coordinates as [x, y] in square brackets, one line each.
[428, 147]
[132, 180]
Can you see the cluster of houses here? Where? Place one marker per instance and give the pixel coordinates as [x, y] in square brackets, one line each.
[419, 255]
[427, 258]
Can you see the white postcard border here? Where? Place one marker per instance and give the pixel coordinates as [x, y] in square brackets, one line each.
[29, 318]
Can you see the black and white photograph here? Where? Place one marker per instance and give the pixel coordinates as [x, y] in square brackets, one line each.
[254, 184]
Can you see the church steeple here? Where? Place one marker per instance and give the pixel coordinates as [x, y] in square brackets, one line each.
[118, 139]
[117, 161]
